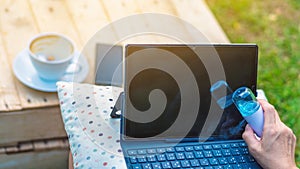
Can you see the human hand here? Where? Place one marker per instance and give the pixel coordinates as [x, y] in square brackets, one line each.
[276, 149]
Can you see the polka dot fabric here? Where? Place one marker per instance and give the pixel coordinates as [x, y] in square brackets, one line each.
[94, 136]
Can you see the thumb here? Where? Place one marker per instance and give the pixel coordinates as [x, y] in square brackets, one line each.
[250, 138]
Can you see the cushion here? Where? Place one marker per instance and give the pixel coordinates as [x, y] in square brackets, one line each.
[93, 136]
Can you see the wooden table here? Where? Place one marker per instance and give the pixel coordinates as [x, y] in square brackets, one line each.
[28, 116]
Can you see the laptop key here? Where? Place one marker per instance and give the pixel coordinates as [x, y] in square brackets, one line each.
[235, 152]
[251, 159]
[166, 165]
[243, 144]
[198, 154]
[160, 150]
[241, 159]
[175, 164]
[151, 151]
[189, 155]
[244, 151]
[223, 161]
[146, 166]
[179, 149]
[180, 156]
[170, 156]
[198, 148]
[207, 154]
[234, 145]
[156, 166]
[237, 166]
[217, 153]
[170, 149]
[161, 157]
[204, 162]
[226, 152]
[213, 161]
[151, 158]
[216, 146]
[133, 160]
[185, 164]
[227, 167]
[225, 146]
[218, 167]
[136, 166]
[231, 160]
[142, 151]
[142, 159]
[188, 148]
[195, 163]
[210, 167]
[132, 152]
[207, 147]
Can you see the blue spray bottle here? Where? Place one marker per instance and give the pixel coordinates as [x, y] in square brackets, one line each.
[250, 109]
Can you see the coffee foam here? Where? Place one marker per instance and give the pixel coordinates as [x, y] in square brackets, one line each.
[51, 48]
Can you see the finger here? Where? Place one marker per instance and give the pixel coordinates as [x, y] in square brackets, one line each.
[291, 139]
[250, 139]
[271, 116]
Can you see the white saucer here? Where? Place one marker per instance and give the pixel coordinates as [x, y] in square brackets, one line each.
[26, 73]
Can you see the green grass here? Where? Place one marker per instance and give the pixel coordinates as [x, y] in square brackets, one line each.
[275, 26]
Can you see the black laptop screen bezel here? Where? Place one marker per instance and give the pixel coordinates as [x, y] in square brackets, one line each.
[250, 82]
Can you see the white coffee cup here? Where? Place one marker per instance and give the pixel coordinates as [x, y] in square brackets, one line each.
[51, 54]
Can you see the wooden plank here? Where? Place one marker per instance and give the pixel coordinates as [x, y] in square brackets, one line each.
[31, 125]
[57, 159]
[10, 20]
[116, 10]
[17, 27]
[52, 16]
[156, 6]
[89, 17]
[9, 99]
[197, 13]
[174, 28]
[121, 10]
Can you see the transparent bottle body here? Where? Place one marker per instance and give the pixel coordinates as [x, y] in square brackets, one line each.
[249, 108]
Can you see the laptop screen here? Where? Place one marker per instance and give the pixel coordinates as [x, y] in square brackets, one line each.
[167, 90]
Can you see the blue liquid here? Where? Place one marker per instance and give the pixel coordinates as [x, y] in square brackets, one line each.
[245, 101]
[247, 108]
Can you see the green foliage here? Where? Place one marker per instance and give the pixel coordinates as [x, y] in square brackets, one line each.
[275, 26]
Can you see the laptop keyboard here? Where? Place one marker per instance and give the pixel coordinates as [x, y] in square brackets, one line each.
[205, 156]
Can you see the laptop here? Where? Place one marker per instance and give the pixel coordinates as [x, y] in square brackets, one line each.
[170, 118]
